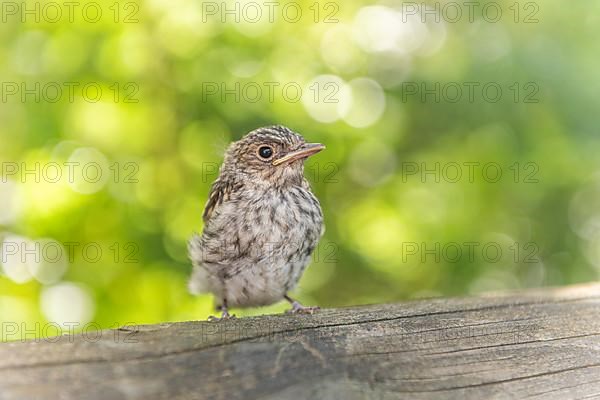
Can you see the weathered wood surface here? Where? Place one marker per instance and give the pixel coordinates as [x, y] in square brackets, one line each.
[541, 344]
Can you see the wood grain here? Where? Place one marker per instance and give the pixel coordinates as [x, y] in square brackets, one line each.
[542, 344]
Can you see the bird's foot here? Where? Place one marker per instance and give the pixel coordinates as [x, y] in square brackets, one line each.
[224, 317]
[298, 308]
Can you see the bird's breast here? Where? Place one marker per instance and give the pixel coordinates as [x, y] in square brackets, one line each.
[283, 215]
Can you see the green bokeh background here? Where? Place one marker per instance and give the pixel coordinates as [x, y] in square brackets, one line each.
[167, 142]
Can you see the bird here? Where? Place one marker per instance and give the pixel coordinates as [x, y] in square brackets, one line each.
[261, 223]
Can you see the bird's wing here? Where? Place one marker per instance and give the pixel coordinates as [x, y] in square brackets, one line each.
[219, 243]
[219, 193]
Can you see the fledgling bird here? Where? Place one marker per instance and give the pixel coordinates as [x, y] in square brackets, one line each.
[261, 223]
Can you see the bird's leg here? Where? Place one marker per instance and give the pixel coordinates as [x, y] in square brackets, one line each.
[224, 313]
[298, 308]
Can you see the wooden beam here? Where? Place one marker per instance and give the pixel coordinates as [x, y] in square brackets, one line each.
[537, 344]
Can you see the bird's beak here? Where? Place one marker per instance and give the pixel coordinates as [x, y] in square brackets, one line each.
[307, 150]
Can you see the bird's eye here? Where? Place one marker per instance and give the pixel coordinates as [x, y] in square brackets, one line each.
[265, 152]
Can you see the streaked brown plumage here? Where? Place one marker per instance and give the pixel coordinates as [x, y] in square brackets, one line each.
[261, 222]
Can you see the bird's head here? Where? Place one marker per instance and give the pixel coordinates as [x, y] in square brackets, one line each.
[272, 155]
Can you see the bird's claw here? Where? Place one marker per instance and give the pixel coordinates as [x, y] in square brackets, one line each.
[224, 317]
[298, 308]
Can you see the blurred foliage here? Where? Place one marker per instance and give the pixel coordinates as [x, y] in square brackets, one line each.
[160, 142]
